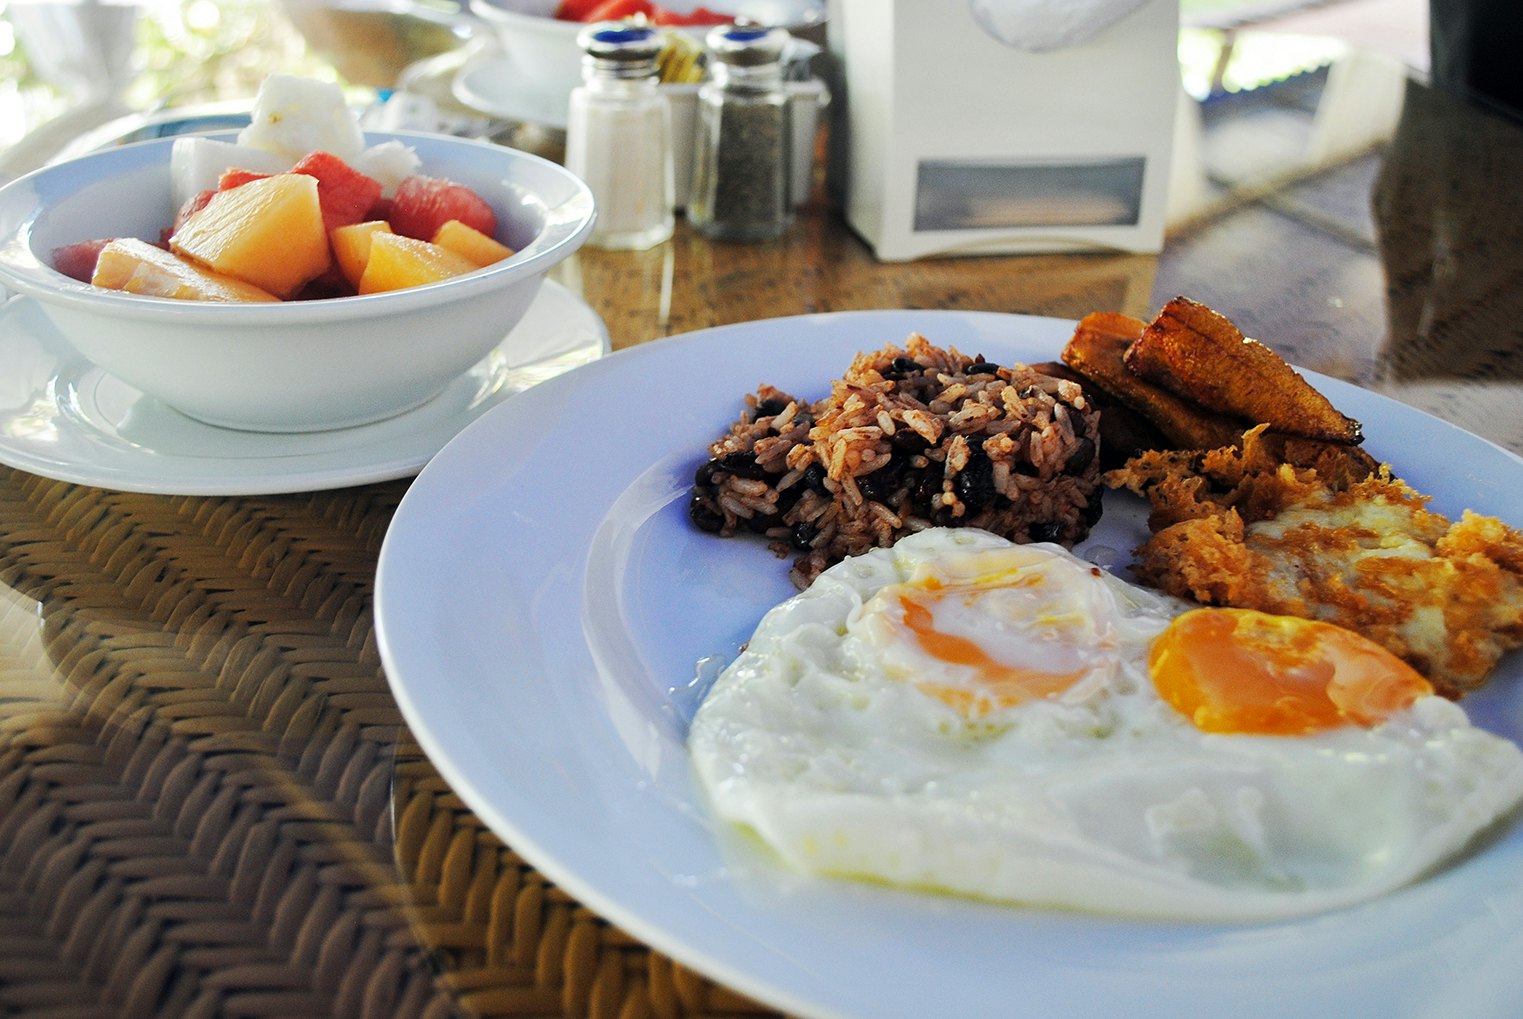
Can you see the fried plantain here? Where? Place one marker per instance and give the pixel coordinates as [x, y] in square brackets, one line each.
[1097, 351]
[1198, 354]
[1161, 419]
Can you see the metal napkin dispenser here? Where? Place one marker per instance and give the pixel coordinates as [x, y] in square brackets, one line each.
[1001, 126]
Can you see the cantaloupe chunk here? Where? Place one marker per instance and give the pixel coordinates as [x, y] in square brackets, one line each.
[267, 232]
[396, 262]
[470, 242]
[140, 268]
[351, 247]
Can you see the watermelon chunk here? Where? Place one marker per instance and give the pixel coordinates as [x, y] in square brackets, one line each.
[423, 204]
[77, 261]
[234, 176]
[345, 194]
[195, 204]
[330, 283]
[699, 15]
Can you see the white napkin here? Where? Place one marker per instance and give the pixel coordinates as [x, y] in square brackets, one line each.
[1040, 25]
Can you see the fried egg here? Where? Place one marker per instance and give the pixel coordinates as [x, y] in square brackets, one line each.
[962, 714]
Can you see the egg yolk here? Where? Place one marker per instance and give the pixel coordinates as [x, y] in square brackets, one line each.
[1029, 644]
[1242, 671]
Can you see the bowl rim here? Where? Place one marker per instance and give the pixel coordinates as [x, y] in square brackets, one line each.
[490, 12]
[569, 219]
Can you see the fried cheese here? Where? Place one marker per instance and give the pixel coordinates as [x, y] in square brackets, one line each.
[1239, 527]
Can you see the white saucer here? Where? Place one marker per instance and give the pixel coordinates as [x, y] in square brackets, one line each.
[64, 418]
[495, 86]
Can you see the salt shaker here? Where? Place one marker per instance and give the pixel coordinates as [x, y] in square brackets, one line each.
[741, 155]
[619, 136]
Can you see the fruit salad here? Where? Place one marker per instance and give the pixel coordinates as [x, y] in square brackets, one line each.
[620, 10]
[298, 208]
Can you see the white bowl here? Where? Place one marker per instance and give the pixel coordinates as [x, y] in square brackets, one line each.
[544, 48]
[300, 365]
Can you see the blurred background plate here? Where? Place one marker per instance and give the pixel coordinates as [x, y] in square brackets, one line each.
[495, 85]
[371, 42]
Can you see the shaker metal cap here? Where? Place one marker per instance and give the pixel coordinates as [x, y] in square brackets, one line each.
[620, 41]
[746, 45]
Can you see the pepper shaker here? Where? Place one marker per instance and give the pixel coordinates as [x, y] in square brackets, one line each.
[741, 155]
[619, 136]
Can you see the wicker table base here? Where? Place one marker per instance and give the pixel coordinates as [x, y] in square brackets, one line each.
[210, 806]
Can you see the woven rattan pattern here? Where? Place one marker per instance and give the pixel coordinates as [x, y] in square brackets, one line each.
[209, 805]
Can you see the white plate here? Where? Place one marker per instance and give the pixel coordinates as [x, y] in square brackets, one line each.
[544, 606]
[63, 417]
[494, 85]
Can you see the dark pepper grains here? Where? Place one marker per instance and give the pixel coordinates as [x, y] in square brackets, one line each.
[741, 157]
[740, 180]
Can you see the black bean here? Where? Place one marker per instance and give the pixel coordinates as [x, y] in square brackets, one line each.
[874, 488]
[814, 479]
[1082, 456]
[975, 482]
[803, 533]
[1051, 530]
[1025, 467]
[770, 407]
[760, 523]
[910, 441]
[1091, 513]
[901, 367]
[982, 367]
[883, 481]
[703, 477]
[926, 489]
[705, 515]
[1076, 420]
[742, 465]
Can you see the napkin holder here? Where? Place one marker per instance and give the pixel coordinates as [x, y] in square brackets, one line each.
[947, 140]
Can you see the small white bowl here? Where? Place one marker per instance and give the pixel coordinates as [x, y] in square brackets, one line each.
[301, 365]
[544, 48]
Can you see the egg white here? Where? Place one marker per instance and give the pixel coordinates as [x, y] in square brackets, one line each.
[827, 737]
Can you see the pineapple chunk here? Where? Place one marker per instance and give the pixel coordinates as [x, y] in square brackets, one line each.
[397, 262]
[470, 242]
[269, 232]
[351, 247]
[140, 268]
